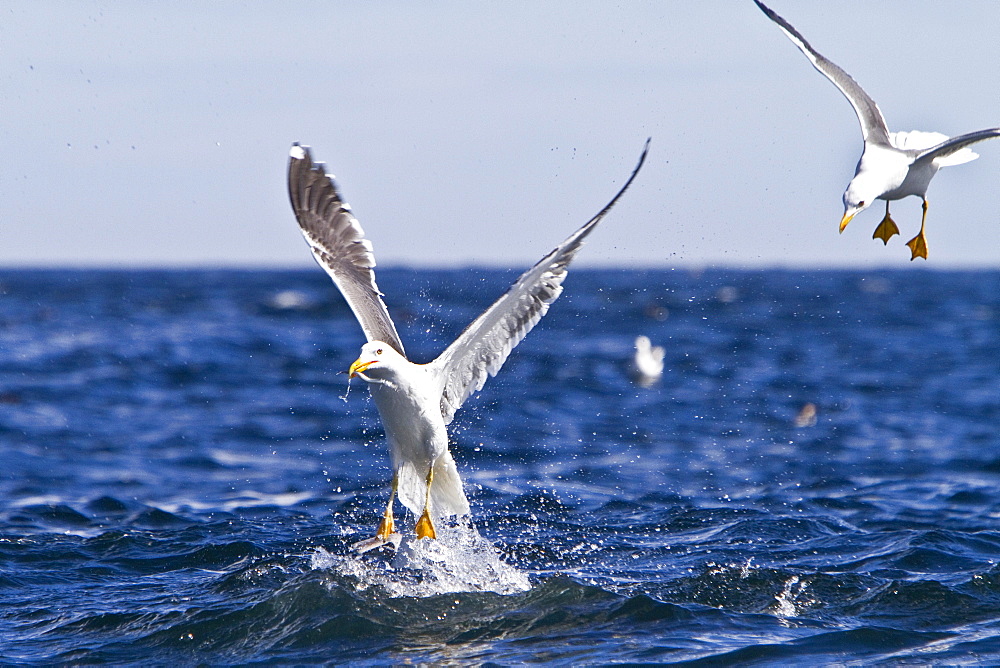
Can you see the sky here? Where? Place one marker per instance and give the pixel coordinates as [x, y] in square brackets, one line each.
[157, 134]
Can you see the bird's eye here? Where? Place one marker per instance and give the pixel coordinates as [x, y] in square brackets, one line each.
[378, 352]
[861, 203]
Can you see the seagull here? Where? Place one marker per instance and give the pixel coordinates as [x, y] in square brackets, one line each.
[893, 165]
[417, 401]
[647, 362]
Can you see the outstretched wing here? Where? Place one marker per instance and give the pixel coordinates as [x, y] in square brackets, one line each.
[955, 144]
[485, 344]
[338, 243]
[873, 127]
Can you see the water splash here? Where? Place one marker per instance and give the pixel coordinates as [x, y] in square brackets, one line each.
[347, 392]
[785, 601]
[793, 599]
[459, 560]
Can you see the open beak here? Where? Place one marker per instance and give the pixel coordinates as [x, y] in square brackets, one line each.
[359, 367]
[845, 220]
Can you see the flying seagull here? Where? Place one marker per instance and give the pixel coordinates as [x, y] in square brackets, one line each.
[893, 165]
[417, 401]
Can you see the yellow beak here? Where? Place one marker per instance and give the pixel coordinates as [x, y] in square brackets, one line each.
[359, 367]
[845, 220]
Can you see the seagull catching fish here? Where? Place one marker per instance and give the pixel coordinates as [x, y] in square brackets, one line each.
[417, 401]
[893, 165]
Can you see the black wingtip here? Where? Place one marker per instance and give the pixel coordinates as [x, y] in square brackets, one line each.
[642, 161]
[631, 178]
[300, 161]
[767, 10]
[300, 152]
[645, 150]
[774, 16]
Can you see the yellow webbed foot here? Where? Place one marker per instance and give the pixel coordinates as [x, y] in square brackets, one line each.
[918, 246]
[385, 527]
[886, 230]
[425, 528]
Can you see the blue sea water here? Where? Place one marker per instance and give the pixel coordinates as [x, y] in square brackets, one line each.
[183, 471]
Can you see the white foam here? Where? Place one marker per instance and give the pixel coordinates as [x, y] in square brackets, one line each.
[458, 560]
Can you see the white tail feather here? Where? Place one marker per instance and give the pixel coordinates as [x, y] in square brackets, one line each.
[447, 495]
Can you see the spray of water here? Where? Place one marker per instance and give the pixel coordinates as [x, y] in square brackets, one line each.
[458, 560]
[348, 391]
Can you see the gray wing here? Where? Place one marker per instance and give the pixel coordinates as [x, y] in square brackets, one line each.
[483, 347]
[873, 127]
[955, 144]
[338, 243]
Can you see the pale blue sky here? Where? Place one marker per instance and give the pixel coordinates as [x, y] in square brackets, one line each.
[157, 133]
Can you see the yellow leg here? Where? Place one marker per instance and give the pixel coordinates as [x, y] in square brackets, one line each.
[918, 244]
[386, 526]
[425, 528]
[887, 228]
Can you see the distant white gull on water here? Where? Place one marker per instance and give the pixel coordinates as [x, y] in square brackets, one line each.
[893, 165]
[417, 401]
[647, 362]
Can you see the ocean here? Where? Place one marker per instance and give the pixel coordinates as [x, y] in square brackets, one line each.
[815, 479]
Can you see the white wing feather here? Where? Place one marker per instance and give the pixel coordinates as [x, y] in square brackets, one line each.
[873, 126]
[483, 347]
[339, 245]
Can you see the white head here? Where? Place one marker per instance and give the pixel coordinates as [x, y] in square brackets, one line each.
[860, 193]
[874, 176]
[377, 362]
